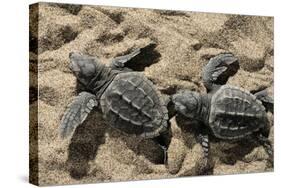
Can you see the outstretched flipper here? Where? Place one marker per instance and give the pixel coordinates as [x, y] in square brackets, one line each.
[266, 100]
[120, 61]
[219, 69]
[76, 113]
[204, 142]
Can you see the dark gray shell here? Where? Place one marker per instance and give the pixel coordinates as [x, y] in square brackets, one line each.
[235, 113]
[132, 104]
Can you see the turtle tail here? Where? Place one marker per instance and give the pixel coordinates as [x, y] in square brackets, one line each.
[268, 148]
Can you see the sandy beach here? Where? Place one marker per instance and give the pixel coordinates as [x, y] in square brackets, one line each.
[185, 41]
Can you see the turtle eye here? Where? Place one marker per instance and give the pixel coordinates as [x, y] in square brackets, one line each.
[193, 103]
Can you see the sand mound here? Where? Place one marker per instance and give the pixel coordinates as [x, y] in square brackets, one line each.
[184, 43]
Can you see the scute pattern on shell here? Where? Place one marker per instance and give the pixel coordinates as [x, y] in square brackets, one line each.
[235, 113]
[133, 105]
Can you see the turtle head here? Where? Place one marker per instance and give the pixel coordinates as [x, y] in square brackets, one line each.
[187, 103]
[84, 67]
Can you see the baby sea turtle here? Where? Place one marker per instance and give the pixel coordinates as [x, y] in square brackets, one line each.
[227, 112]
[128, 100]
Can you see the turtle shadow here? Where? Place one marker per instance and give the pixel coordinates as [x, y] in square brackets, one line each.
[84, 145]
[148, 56]
[237, 152]
[190, 130]
[140, 146]
[228, 152]
[91, 134]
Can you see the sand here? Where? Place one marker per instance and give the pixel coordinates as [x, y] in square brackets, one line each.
[185, 41]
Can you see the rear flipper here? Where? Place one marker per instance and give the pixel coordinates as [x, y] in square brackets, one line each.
[76, 113]
[267, 146]
[219, 69]
[266, 100]
[163, 141]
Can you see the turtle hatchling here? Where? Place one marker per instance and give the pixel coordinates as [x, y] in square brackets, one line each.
[226, 112]
[128, 100]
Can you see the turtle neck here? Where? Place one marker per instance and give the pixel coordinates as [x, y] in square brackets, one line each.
[102, 79]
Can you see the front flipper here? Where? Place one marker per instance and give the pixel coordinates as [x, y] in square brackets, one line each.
[204, 142]
[121, 61]
[219, 69]
[76, 113]
[266, 100]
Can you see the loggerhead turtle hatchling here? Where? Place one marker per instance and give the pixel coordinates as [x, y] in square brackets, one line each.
[226, 112]
[128, 100]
